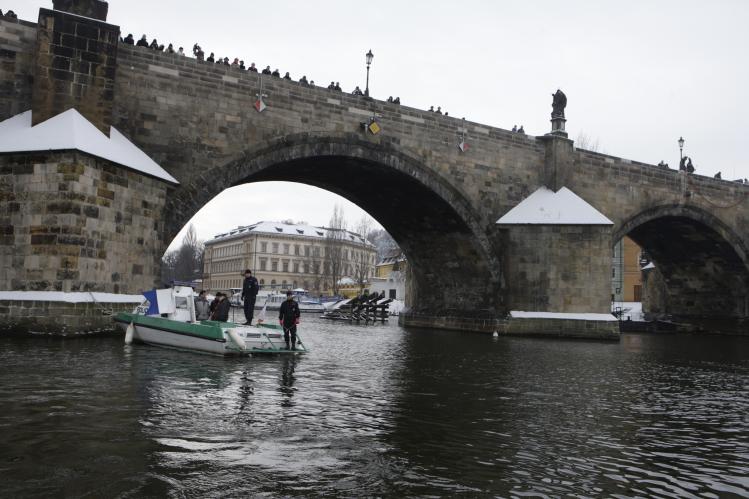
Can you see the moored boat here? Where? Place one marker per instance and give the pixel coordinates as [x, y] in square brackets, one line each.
[273, 301]
[167, 318]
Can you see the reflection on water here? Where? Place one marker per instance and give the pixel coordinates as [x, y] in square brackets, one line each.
[377, 411]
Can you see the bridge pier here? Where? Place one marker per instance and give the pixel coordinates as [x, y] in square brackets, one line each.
[73, 221]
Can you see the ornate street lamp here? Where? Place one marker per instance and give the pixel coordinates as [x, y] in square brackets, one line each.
[369, 56]
[681, 148]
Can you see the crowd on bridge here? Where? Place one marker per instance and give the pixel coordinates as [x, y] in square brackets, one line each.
[238, 64]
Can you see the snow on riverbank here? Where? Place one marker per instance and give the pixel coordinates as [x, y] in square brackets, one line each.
[60, 296]
[518, 314]
[631, 310]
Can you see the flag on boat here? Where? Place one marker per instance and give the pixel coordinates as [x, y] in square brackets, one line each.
[161, 301]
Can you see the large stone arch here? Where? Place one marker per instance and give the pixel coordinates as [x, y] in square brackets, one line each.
[703, 263]
[455, 264]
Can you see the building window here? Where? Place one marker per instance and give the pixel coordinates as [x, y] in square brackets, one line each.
[296, 267]
[274, 265]
[283, 284]
[285, 264]
[306, 251]
[263, 264]
[263, 247]
[262, 282]
[273, 283]
[392, 294]
[296, 249]
[275, 247]
[286, 249]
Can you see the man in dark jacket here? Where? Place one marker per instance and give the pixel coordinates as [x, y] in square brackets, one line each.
[221, 312]
[288, 317]
[250, 288]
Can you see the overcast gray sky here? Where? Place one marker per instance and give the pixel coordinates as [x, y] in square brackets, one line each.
[637, 74]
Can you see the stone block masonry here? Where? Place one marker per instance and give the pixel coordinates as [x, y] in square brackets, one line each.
[76, 63]
[17, 65]
[72, 222]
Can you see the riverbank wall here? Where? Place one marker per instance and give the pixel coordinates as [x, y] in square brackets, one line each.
[61, 313]
[573, 326]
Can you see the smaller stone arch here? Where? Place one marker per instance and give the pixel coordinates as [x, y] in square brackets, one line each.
[701, 263]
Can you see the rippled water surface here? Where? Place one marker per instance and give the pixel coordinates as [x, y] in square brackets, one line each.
[377, 411]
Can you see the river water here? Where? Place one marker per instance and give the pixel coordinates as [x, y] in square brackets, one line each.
[377, 411]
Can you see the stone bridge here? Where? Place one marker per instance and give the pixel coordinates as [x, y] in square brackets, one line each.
[70, 220]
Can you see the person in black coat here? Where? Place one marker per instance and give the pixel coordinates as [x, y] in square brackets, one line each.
[221, 313]
[129, 39]
[250, 288]
[288, 317]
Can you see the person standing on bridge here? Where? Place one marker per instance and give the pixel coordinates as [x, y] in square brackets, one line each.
[288, 317]
[250, 288]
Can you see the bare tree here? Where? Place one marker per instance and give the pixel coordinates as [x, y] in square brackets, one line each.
[362, 264]
[384, 242]
[585, 141]
[334, 238]
[186, 262]
[169, 266]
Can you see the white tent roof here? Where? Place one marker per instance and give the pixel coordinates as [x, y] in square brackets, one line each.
[70, 130]
[546, 207]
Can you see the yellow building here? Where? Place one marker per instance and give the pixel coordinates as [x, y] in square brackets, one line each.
[281, 256]
[390, 277]
[626, 276]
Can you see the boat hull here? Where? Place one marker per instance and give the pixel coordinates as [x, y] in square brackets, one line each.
[206, 337]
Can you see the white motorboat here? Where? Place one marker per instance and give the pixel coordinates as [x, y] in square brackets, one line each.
[167, 318]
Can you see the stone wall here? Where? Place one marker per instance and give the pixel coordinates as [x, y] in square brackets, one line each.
[564, 328]
[71, 222]
[558, 268]
[58, 317]
[75, 67]
[17, 65]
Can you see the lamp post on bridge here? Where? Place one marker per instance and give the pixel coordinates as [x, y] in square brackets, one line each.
[369, 55]
[681, 148]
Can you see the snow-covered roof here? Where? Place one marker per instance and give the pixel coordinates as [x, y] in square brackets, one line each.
[546, 207]
[70, 130]
[390, 260]
[299, 230]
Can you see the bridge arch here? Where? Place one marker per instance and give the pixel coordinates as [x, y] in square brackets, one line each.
[454, 262]
[702, 265]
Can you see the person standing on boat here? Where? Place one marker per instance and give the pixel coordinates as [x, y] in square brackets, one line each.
[202, 307]
[221, 312]
[288, 317]
[250, 288]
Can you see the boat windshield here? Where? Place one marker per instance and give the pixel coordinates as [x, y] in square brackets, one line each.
[182, 312]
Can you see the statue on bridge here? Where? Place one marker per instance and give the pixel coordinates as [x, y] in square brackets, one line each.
[685, 165]
[558, 104]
